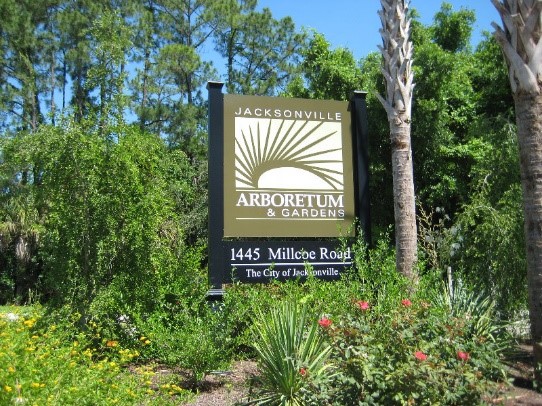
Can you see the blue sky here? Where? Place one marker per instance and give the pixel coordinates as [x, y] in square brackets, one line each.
[354, 24]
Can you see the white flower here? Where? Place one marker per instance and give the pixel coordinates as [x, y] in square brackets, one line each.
[11, 316]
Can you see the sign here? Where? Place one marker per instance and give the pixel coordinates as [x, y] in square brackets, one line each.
[287, 168]
[262, 261]
[287, 178]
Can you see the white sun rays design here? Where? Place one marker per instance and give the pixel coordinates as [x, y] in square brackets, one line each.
[288, 154]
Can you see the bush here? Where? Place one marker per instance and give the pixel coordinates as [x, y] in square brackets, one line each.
[57, 364]
[414, 353]
[192, 343]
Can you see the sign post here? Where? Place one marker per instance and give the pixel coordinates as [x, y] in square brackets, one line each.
[287, 179]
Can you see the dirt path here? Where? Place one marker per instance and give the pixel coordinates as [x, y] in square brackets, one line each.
[226, 389]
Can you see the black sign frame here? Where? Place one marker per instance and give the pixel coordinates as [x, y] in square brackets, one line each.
[258, 261]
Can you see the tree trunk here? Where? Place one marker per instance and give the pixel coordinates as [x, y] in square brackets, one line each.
[397, 71]
[528, 114]
[521, 41]
[404, 200]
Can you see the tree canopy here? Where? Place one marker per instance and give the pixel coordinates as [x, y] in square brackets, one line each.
[103, 124]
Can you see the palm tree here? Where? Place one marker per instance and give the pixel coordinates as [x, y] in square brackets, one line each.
[397, 70]
[520, 40]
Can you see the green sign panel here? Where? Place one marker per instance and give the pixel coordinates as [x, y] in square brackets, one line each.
[288, 168]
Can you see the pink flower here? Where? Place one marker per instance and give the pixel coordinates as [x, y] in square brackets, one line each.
[406, 302]
[325, 322]
[363, 305]
[463, 356]
[420, 356]
[302, 372]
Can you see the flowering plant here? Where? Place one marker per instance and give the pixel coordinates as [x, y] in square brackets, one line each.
[362, 305]
[392, 356]
[420, 356]
[325, 322]
[463, 356]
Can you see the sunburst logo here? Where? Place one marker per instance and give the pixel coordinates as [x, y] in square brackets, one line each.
[287, 167]
[281, 154]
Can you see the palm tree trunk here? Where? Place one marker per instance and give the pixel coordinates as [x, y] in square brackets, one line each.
[521, 41]
[397, 70]
[528, 114]
[404, 200]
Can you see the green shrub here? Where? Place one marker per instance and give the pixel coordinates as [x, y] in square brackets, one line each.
[192, 343]
[414, 353]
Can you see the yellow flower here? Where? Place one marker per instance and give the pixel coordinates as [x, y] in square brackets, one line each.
[29, 323]
[8, 388]
[147, 342]
[35, 385]
[11, 369]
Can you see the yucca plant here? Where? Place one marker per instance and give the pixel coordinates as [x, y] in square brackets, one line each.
[292, 356]
[479, 309]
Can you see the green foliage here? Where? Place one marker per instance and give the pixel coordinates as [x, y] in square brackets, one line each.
[373, 277]
[292, 355]
[327, 74]
[490, 80]
[452, 30]
[445, 107]
[412, 353]
[479, 308]
[21, 224]
[490, 246]
[380, 282]
[261, 52]
[388, 347]
[187, 341]
[113, 201]
[54, 363]
[107, 212]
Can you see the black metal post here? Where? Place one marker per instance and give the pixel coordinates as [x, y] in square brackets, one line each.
[216, 189]
[360, 144]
